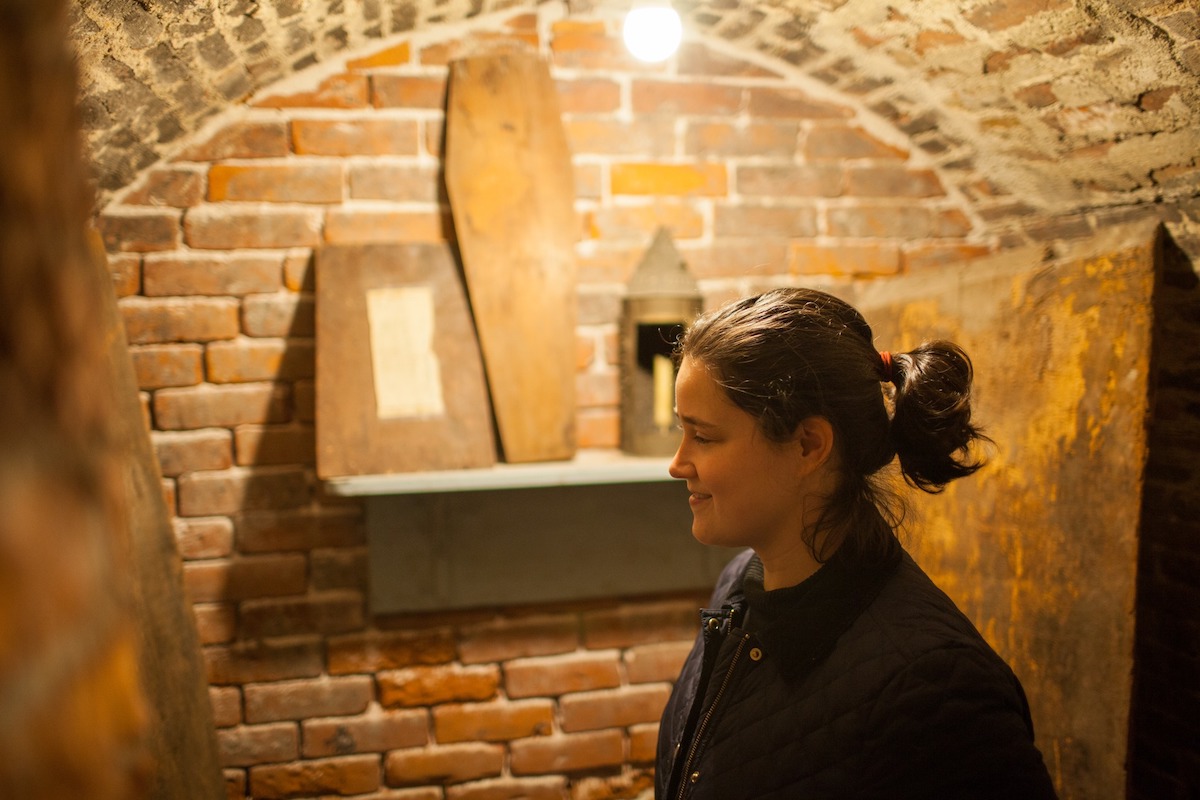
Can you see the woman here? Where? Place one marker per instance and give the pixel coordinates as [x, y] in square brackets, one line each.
[829, 665]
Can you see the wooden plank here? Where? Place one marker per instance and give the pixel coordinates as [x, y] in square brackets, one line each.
[510, 183]
[1040, 547]
[400, 385]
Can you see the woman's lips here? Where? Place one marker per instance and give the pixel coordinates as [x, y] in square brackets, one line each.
[695, 498]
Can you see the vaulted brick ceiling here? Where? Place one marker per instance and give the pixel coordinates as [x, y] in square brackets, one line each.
[1056, 105]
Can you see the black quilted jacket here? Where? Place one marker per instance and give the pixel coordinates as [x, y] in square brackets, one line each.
[865, 681]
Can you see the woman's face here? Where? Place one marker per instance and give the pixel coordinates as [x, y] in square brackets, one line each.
[746, 491]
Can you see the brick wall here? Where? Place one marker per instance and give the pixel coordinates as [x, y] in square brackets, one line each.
[763, 175]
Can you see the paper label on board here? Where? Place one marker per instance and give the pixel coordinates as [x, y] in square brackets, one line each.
[407, 374]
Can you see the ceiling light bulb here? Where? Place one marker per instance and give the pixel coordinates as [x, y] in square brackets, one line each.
[652, 33]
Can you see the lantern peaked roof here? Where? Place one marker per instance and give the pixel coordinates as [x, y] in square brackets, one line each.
[662, 271]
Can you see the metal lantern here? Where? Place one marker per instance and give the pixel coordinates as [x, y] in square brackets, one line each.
[661, 300]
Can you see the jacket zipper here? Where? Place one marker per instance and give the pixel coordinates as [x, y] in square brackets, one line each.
[692, 751]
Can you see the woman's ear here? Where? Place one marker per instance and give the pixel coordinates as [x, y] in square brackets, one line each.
[814, 443]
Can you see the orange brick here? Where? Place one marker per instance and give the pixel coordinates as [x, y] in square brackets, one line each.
[606, 135]
[406, 91]
[235, 783]
[175, 187]
[355, 137]
[203, 494]
[364, 226]
[694, 58]
[226, 702]
[247, 745]
[762, 257]
[274, 531]
[572, 752]
[838, 142]
[998, 16]
[139, 230]
[388, 57]
[160, 366]
[443, 683]
[504, 639]
[700, 99]
[304, 395]
[822, 180]
[892, 181]
[640, 222]
[847, 259]
[220, 406]
[187, 451]
[613, 708]
[669, 179]
[338, 569]
[550, 787]
[196, 319]
[243, 578]
[585, 350]
[301, 699]
[298, 271]
[241, 140]
[372, 652]
[246, 662]
[316, 612]
[345, 775]
[881, 220]
[758, 221]
[204, 537]
[336, 91]
[375, 731]
[763, 139]
[643, 743]
[275, 444]
[925, 256]
[793, 103]
[205, 274]
[443, 765]
[551, 677]
[216, 623]
[628, 626]
[398, 183]
[279, 314]
[294, 182]
[244, 360]
[660, 661]
[597, 389]
[478, 43]
[126, 272]
[231, 227]
[598, 427]
[588, 96]
[492, 722]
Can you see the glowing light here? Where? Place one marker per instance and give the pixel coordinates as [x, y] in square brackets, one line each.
[652, 33]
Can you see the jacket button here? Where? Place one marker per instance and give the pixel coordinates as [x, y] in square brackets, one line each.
[756, 654]
[713, 623]
[695, 776]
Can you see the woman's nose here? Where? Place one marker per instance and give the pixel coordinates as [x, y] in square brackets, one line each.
[679, 467]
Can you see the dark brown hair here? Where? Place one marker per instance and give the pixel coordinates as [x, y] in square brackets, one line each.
[789, 354]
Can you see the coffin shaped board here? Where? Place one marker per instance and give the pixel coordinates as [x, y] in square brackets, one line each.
[400, 385]
[510, 183]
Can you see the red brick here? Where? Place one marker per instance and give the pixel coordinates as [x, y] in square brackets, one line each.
[761, 257]
[701, 99]
[600, 388]
[443, 683]
[139, 230]
[822, 180]
[643, 743]
[244, 360]
[925, 256]
[224, 227]
[301, 699]
[505, 639]
[376, 731]
[226, 702]
[588, 45]
[598, 428]
[588, 96]
[652, 137]
[394, 56]
[196, 319]
[216, 623]
[324, 612]
[398, 183]
[262, 445]
[158, 366]
[613, 708]
[838, 142]
[344, 775]
[168, 491]
[187, 451]
[628, 626]
[211, 274]
[351, 137]
[878, 220]
[756, 221]
[174, 187]
[728, 139]
[242, 139]
[792, 103]
[203, 494]
[703, 179]
[892, 181]
[573, 752]
[279, 314]
[204, 537]
[126, 272]
[272, 531]
[235, 784]
[554, 676]
[551, 787]
[344, 568]
[443, 765]
[932, 40]
[640, 222]
[372, 652]
[247, 662]
[360, 225]
[337, 91]
[660, 661]
[220, 406]
[862, 259]
[247, 745]
[293, 182]
[243, 578]
[406, 91]
[494, 721]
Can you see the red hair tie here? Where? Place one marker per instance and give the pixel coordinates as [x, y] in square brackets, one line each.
[886, 358]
